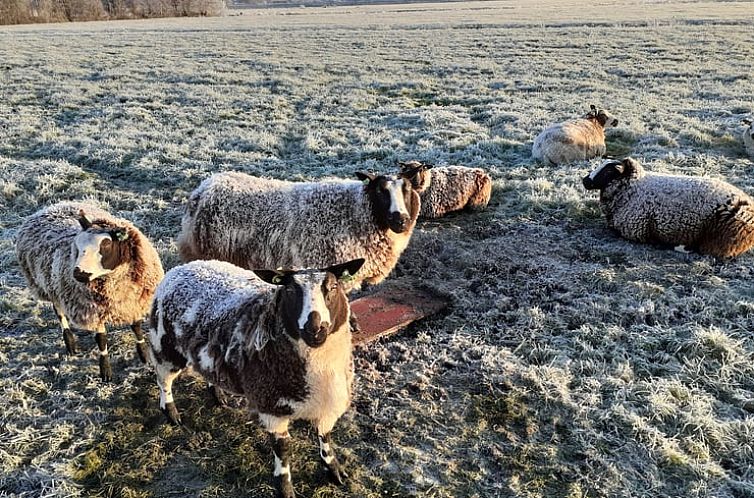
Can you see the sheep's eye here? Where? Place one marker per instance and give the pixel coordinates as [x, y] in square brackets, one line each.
[106, 244]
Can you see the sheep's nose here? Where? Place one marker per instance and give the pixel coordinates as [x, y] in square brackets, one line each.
[81, 276]
[399, 221]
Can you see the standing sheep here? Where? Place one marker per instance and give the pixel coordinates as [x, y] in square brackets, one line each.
[687, 212]
[448, 188]
[748, 137]
[574, 140]
[262, 223]
[95, 269]
[279, 338]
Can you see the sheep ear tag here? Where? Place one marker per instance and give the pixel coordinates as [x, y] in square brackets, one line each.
[120, 235]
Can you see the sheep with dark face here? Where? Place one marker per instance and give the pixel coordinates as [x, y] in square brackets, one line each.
[279, 338]
[574, 140]
[447, 188]
[262, 223]
[748, 137]
[687, 212]
[95, 269]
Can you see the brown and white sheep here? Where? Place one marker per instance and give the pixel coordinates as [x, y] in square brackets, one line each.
[447, 188]
[279, 338]
[686, 212]
[94, 268]
[574, 140]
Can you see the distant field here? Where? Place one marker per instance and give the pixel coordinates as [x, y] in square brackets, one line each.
[571, 363]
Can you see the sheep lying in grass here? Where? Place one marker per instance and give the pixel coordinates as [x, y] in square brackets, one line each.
[690, 213]
[95, 269]
[262, 223]
[574, 140]
[448, 188]
[280, 338]
[748, 137]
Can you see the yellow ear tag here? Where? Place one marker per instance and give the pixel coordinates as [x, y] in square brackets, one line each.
[346, 276]
[277, 279]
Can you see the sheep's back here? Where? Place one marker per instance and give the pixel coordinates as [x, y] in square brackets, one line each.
[669, 209]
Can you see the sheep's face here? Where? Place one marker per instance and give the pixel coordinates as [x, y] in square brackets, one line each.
[607, 172]
[417, 173]
[394, 203]
[604, 118]
[312, 303]
[98, 250]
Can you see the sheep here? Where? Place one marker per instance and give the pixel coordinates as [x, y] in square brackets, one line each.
[278, 337]
[574, 140]
[748, 137]
[95, 269]
[687, 212]
[448, 188]
[263, 223]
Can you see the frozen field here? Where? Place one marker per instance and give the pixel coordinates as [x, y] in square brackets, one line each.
[571, 363]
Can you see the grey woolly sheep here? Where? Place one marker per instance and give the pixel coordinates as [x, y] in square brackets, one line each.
[574, 140]
[448, 188]
[748, 137]
[279, 338]
[688, 212]
[95, 269]
[262, 223]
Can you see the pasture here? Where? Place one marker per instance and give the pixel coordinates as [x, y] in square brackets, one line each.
[571, 363]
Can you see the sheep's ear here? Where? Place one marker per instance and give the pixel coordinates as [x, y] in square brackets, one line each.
[85, 222]
[627, 165]
[120, 234]
[365, 177]
[747, 122]
[427, 166]
[593, 108]
[404, 165]
[346, 271]
[276, 277]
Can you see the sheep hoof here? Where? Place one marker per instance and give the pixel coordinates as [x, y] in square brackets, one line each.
[105, 371]
[682, 249]
[141, 350]
[335, 474]
[171, 412]
[71, 344]
[285, 487]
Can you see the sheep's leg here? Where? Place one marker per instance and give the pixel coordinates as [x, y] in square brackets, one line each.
[105, 370]
[334, 471]
[353, 322]
[280, 439]
[71, 344]
[216, 396]
[141, 345]
[166, 374]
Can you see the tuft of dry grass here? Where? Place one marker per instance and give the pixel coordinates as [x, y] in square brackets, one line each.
[571, 363]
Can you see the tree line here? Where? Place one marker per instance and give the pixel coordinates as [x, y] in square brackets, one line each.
[40, 11]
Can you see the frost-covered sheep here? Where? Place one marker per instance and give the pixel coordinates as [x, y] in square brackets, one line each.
[263, 223]
[748, 137]
[279, 338]
[687, 212]
[448, 188]
[574, 140]
[95, 269]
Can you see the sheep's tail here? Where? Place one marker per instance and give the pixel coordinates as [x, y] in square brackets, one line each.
[732, 231]
[186, 240]
[482, 191]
